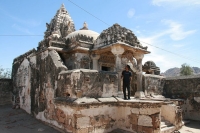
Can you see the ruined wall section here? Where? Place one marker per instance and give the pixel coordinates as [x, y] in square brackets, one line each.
[106, 114]
[44, 79]
[33, 74]
[21, 78]
[87, 83]
[187, 88]
[153, 84]
[77, 61]
[5, 91]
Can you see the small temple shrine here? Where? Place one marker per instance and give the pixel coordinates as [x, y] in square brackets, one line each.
[73, 81]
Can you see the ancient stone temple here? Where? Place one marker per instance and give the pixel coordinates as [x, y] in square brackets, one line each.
[73, 81]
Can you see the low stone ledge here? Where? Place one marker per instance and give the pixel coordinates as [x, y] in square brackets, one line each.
[85, 100]
[111, 99]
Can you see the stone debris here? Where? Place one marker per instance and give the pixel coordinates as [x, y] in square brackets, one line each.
[40, 129]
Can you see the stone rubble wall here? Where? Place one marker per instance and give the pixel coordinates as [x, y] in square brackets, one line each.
[5, 91]
[187, 88]
[153, 84]
[87, 83]
[33, 76]
[106, 114]
[77, 61]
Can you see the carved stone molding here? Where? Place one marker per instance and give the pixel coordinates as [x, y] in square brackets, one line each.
[117, 50]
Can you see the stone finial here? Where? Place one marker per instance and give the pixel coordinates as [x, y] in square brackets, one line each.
[85, 26]
[62, 6]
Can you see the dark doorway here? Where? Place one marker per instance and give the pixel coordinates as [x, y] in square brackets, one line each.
[104, 68]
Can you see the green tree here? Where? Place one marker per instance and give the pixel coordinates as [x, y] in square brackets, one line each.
[5, 73]
[186, 70]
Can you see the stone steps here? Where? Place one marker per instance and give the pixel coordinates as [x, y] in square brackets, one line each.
[166, 126]
[168, 129]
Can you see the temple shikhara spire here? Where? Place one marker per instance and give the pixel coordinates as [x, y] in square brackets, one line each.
[61, 25]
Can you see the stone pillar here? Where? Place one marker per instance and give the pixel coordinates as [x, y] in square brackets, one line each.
[95, 58]
[139, 93]
[118, 51]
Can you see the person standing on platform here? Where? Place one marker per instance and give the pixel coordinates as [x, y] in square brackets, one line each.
[127, 77]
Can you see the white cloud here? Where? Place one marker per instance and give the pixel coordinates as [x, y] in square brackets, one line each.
[176, 31]
[176, 2]
[131, 13]
[163, 59]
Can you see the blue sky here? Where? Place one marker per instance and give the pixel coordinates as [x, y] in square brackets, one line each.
[172, 25]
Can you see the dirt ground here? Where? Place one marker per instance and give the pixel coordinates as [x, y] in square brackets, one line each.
[191, 127]
[18, 121]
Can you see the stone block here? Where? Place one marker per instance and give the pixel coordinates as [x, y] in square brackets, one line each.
[63, 115]
[55, 117]
[145, 120]
[135, 127]
[147, 129]
[143, 129]
[79, 94]
[52, 107]
[155, 121]
[139, 129]
[82, 130]
[149, 111]
[105, 119]
[83, 122]
[135, 111]
[61, 119]
[68, 124]
[95, 123]
[58, 112]
[90, 129]
[156, 131]
[133, 119]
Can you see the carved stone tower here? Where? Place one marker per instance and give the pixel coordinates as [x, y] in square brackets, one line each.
[61, 25]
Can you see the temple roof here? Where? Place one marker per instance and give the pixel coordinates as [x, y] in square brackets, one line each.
[84, 34]
[117, 33]
[62, 24]
[87, 33]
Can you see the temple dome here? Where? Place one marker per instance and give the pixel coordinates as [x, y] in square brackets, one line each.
[87, 33]
[82, 33]
[150, 64]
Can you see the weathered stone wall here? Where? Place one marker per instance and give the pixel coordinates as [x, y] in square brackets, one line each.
[5, 91]
[34, 75]
[172, 113]
[106, 114]
[153, 84]
[87, 83]
[77, 61]
[187, 88]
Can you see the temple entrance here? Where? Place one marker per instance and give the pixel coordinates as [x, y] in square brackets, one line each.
[104, 68]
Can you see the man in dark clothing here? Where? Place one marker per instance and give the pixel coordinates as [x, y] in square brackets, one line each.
[127, 76]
